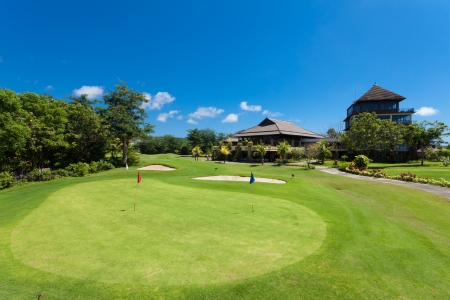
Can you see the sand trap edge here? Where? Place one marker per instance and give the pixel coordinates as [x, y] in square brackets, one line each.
[157, 168]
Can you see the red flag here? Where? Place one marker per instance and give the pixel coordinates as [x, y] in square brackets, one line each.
[139, 177]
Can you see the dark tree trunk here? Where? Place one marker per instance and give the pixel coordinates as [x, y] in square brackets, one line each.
[125, 150]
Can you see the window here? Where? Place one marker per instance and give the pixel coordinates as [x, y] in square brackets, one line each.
[388, 105]
[349, 111]
[397, 118]
[356, 107]
[371, 106]
[384, 117]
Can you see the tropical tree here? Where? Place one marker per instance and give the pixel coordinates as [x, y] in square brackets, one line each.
[298, 152]
[47, 126]
[421, 135]
[225, 151]
[363, 135]
[322, 150]
[125, 115]
[334, 139]
[14, 131]
[86, 133]
[283, 148]
[261, 149]
[310, 153]
[196, 152]
[195, 137]
[391, 135]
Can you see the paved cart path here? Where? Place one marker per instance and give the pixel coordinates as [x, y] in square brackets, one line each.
[443, 191]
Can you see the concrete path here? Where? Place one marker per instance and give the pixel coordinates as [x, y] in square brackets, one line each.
[443, 191]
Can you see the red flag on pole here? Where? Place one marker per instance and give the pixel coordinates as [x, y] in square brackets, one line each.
[139, 177]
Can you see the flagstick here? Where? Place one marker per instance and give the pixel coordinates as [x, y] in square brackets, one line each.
[252, 199]
[135, 195]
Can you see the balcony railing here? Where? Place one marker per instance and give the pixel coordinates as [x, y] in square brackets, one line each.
[383, 111]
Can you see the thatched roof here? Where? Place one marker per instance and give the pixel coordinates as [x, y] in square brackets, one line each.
[276, 127]
[377, 93]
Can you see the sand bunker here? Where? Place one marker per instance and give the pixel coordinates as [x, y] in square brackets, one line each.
[240, 178]
[157, 168]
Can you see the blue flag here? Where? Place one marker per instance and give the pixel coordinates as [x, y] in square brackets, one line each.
[252, 178]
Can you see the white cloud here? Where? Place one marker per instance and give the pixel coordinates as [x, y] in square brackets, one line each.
[162, 117]
[49, 88]
[206, 112]
[190, 121]
[271, 113]
[180, 117]
[244, 106]
[93, 91]
[231, 118]
[157, 101]
[426, 111]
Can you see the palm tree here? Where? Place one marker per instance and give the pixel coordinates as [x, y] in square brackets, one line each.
[283, 148]
[261, 149]
[225, 152]
[196, 152]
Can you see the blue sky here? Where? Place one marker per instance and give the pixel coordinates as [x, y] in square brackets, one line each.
[227, 65]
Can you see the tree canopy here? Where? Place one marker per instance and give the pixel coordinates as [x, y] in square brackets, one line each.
[125, 115]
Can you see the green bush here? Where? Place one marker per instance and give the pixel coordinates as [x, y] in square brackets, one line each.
[343, 166]
[36, 175]
[62, 173]
[445, 161]
[133, 158]
[361, 161]
[344, 157]
[431, 154]
[6, 180]
[99, 166]
[80, 169]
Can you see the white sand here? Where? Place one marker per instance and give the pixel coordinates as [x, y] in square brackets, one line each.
[239, 178]
[157, 168]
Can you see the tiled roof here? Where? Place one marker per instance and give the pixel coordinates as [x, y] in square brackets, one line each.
[377, 93]
[276, 127]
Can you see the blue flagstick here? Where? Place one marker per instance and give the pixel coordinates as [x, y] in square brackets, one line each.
[252, 179]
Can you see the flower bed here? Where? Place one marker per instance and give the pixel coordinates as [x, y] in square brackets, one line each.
[351, 168]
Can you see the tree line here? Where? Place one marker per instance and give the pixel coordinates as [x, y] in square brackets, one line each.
[39, 131]
[369, 133]
[205, 139]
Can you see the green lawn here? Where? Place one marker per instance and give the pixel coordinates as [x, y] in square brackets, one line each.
[317, 236]
[433, 170]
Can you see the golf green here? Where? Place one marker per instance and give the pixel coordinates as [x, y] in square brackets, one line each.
[177, 235]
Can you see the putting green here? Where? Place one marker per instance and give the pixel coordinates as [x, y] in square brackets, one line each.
[177, 235]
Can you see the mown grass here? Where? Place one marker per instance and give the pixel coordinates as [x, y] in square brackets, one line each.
[382, 241]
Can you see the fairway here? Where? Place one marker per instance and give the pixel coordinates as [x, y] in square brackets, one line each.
[317, 236]
[176, 236]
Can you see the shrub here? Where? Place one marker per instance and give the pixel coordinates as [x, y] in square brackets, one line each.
[344, 157]
[361, 161]
[80, 169]
[36, 175]
[343, 166]
[133, 158]
[431, 154]
[62, 173]
[6, 180]
[101, 165]
[445, 161]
